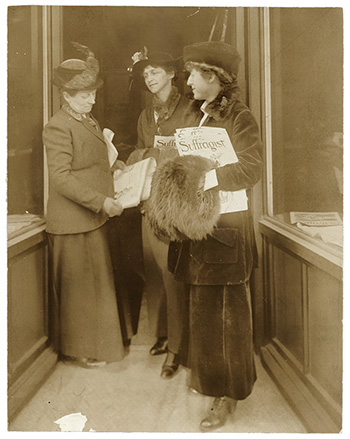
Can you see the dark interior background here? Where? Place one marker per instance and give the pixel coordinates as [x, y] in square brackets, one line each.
[115, 33]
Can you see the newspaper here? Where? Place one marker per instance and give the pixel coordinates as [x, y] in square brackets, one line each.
[316, 218]
[215, 144]
[164, 142]
[133, 184]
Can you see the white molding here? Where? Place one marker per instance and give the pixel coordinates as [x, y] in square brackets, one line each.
[268, 122]
[46, 94]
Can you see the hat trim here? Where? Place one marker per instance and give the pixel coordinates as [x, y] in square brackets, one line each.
[218, 70]
[79, 82]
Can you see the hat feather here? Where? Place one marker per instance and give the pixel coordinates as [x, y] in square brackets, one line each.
[91, 61]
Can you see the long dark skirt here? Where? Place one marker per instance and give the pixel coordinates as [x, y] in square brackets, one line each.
[220, 350]
[84, 298]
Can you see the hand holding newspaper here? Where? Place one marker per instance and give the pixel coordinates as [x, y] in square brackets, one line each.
[215, 144]
[133, 184]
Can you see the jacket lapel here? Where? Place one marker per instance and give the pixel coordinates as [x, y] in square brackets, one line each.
[97, 132]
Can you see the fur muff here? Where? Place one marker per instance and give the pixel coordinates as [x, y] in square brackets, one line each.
[178, 207]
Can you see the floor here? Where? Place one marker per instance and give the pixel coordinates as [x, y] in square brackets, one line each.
[130, 396]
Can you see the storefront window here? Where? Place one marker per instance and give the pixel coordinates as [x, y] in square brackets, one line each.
[306, 67]
[25, 118]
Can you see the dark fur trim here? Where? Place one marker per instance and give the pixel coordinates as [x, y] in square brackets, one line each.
[178, 207]
[166, 109]
[221, 106]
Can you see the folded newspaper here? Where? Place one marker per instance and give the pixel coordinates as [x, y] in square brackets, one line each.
[215, 144]
[133, 184]
[316, 218]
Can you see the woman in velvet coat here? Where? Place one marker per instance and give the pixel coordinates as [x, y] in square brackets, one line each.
[213, 253]
[87, 327]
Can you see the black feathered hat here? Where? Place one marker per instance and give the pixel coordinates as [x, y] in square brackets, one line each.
[155, 59]
[76, 74]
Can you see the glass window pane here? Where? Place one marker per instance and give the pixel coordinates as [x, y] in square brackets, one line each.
[25, 115]
[307, 110]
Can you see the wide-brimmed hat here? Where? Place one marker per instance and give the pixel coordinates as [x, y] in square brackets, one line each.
[213, 54]
[76, 74]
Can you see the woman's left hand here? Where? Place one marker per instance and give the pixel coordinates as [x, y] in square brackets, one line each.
[118, 164]
[112, 207]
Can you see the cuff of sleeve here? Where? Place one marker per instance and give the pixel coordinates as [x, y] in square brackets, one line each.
[211, 180]
[99, 203]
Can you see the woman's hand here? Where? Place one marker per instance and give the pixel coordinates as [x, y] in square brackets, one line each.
[152, 152]
[112, 207]
[118, 164]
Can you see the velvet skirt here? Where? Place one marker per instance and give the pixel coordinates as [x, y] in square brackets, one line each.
[84, 301]
[218, 348]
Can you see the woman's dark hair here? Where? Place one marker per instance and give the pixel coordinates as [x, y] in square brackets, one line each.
[71, 93]
[166, 68]
[228, 82]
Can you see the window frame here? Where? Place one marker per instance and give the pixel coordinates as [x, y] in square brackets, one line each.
[312, 249]
[51, 51]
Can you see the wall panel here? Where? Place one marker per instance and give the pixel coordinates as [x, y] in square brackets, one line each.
[303, 332]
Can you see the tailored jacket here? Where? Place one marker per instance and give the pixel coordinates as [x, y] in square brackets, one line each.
[170, 117]
[228, 254]
[79, 174]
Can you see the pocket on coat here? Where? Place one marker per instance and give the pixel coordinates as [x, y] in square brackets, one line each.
[221, 247]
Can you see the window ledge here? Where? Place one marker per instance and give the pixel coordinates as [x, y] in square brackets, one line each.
[28, 237]
[325, 256]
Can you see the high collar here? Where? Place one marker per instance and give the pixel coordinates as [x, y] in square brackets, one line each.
[219, 108]
[78, 116]
[166, 109]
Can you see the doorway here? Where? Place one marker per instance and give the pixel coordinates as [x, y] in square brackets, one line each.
[115, 33]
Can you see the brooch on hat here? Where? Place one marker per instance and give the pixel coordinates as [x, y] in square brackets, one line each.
[138, 56]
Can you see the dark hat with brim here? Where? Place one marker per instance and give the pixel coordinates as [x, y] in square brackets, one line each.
[156, 59]
[213, 54]
[78, 75]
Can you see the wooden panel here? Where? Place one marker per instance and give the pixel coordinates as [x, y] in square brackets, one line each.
[314, 416]
[30, 357]
[288, 303]
[30, 381]
[303, 333]
[27, 308]
[325, 331]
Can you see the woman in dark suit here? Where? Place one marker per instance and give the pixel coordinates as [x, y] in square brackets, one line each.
[80, 202]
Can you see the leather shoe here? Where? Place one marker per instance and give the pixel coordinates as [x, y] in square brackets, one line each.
[193, 390]
[91, 362]
[218, 413]
[161, 347]
[84, 362]
[170, 366]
